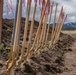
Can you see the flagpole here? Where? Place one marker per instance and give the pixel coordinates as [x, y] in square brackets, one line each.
[13, 62]
[1, 11]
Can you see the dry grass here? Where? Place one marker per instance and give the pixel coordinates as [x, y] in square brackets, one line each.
[69, 32]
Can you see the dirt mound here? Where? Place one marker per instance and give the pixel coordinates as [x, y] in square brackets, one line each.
[49, 62]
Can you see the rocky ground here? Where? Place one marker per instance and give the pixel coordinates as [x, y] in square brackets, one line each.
[61, 60]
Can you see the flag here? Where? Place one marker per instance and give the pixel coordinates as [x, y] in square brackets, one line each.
[62, 15]
[35, 1]
[29, 1]
[24, 2]
[43, 4]
[66, 17]
[48, 9]
[11, 7]
[7, 8]
[40, 1]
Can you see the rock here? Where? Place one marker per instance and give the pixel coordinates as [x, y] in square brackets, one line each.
[1, 64]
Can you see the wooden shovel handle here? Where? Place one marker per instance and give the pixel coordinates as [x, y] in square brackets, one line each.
[25, 31]
[40, 23]
[32, 23]
[26, 25]
[42, 32]
[59, 29]
[53, 31]
[16, 36]
[17, 25]
[31, 29]
[45, 26]
[57, 26]
[49, 21]
[1, 10]
[62, 24]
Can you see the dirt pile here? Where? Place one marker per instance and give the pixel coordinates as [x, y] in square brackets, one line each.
[49, 62]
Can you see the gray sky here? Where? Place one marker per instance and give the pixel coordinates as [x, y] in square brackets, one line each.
[69, 8]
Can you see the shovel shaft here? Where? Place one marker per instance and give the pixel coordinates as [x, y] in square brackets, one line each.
[49, 21]
[40, 24]
[1, 11]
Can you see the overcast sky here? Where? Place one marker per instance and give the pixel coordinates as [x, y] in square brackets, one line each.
[69, 8]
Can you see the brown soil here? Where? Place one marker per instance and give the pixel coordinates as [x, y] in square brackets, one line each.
[61, 60]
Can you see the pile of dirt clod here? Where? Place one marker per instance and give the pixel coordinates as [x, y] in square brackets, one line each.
[49, 62]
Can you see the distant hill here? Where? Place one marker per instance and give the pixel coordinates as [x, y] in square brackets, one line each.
[68, 26]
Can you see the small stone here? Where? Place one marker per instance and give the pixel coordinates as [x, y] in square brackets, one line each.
[39, 73]
[1, 63]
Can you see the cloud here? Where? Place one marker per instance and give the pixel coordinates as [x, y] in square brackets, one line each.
[69, 8]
